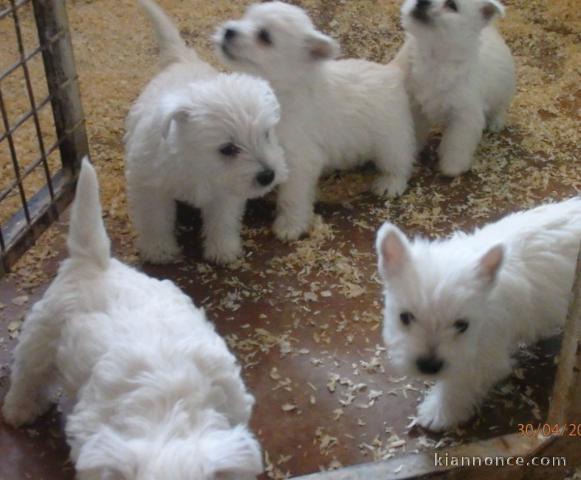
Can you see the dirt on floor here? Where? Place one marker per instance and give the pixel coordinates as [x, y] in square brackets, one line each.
[304, 319]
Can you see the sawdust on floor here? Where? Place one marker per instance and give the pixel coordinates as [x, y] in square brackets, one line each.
[535, 159]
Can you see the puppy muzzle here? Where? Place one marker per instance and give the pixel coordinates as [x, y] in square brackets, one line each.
[230, 34]
[226, 40]
[265, 177]
[429, 365]
[226, 51]
[421, 11]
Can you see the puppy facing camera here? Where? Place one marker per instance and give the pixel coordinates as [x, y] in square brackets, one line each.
[200, 137]
[157, 392]
[335, 114]
[457, 309]
[460, 74]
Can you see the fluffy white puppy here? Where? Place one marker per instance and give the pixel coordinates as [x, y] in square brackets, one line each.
[335, 113]
[456, 309]
[460, 74]
[158, 394]
[200, 137]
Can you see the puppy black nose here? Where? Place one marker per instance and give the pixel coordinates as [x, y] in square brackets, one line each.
[265, 177]
[423, 4]
[229, 34]
[429, 365]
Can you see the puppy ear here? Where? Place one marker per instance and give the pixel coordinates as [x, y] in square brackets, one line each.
[107, 452]
[174, 108]
[491, 9]
[233, 452]
[490, 263]
[321, 47]
[392, 250]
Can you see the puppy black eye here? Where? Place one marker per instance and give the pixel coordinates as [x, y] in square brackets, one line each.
[451, 4]
[264, 37]
[461, 325]
[406, 318]
[229, 150]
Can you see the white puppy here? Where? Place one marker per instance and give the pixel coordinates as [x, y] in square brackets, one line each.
[158, 394]
[456, 309]
[335, 114]
[460, 74]
[200, 137]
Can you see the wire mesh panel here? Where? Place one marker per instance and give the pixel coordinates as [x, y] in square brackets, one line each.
[42, 131]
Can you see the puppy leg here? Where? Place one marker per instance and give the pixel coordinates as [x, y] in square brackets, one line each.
[395, 160]
[448, 404]
[296, 198]
[497, 121]
[459, 143]
[453, 401]
[34, 366]
[154, 215]
[222, 222]
[422, 128]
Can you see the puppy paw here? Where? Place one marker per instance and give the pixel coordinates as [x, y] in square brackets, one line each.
[160, 254]
[438, 416]
[19, 411]
[288, 230]
[454, 168]
[389, 185]
[496, 124]
[223, 252]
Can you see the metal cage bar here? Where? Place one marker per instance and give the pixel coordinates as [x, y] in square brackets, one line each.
[59, 65]
[12, 149]
[38, 210]
[31, 99]
[13, 6]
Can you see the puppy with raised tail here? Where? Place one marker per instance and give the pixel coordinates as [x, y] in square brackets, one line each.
[158, 394]
[456, 309]
[460, 74]
[335, 114]
[200, 137]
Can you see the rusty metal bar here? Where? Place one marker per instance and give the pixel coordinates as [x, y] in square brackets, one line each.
[37, 213]
[28, 57]
[32, 101]
[23, 118]
[7, 11]
[11, 235]
[59, 64]
[45, 212]
[12, 68]
[28, 170]
[12, 149]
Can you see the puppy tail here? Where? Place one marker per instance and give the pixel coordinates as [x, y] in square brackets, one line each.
[88, 239]
[172, 47]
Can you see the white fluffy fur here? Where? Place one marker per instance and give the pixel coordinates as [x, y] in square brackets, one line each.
[460, 74]
[510, 281]
[335, 113]
[158, 394]
[174, 133]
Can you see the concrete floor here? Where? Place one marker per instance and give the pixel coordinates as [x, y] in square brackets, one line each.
[304, 318]
[291, 352]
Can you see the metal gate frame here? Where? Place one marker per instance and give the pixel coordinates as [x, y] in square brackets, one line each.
[38, 212]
